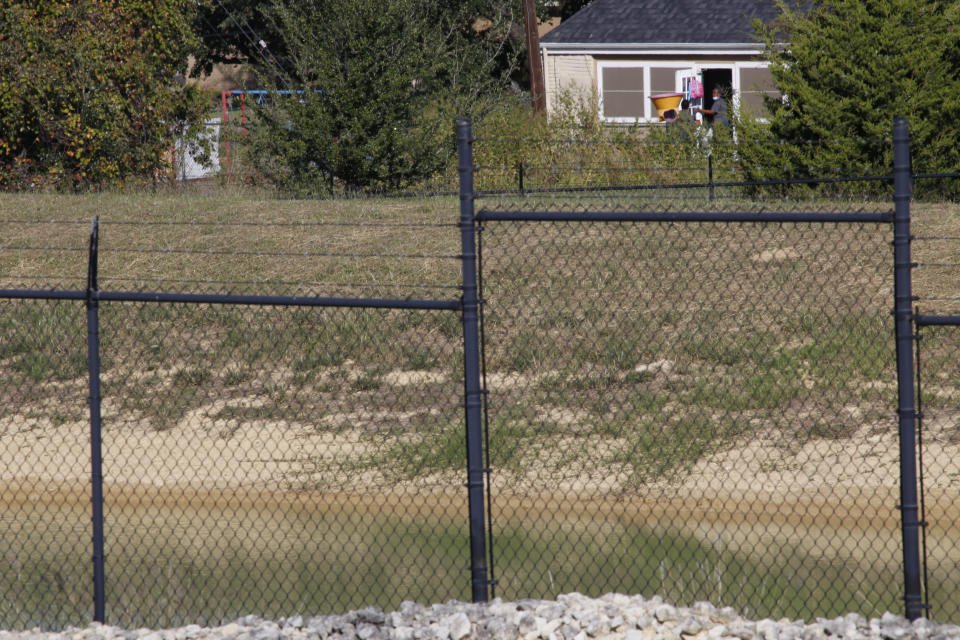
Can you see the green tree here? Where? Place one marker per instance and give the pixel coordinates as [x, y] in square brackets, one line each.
[376, 88]
[88, 89]
[244, 31]
[231, 32]
[569, 7]
[846, 68]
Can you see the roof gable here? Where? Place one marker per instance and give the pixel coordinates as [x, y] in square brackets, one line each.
[663, 21]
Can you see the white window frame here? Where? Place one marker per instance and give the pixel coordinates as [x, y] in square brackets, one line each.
[693, 71]
[649, 113]
[646, 87]
[683, 67]
[753, 64]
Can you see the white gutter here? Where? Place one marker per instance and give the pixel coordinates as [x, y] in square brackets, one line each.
[681, 48]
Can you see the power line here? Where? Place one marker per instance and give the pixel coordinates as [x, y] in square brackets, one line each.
[263, 45]
[258, 44]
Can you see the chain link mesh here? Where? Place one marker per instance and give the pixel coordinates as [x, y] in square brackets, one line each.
[703, 411]
[936, 252]
[256, 460]
[45, 569]
[939, 375]
[277, 461]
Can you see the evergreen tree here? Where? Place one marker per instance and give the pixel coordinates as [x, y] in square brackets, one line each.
[231, 31]
[377, 87]
[846, 68]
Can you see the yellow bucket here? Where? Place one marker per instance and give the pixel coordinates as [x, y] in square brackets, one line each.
[665, 102]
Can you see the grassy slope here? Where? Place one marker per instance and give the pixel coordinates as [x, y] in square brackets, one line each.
[757, 352]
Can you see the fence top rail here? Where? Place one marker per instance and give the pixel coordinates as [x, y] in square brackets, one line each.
[228, 299]
[294, 224]
[937, 321]
[657, 125]
[688, 185]
[683, 216]
[232, 223]
[41, 294]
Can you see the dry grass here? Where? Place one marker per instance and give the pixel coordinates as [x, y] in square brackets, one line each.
[773, 333]
[230, 238]
[776, 334]
[767, 425]
[937, 250]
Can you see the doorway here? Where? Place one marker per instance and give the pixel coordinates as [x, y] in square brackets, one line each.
[722, 78]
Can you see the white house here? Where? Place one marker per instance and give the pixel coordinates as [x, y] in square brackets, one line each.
[624, 51]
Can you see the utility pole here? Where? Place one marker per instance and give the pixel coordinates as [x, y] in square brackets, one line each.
[537, 95]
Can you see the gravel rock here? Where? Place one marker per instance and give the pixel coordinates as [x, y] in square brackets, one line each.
[401, 633]
[571, 616]
[371, 615]
[665, 613]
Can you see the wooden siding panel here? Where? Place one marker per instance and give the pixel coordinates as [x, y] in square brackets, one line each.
[572, 74]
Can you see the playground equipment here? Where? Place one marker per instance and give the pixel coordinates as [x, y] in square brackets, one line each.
[226, 98]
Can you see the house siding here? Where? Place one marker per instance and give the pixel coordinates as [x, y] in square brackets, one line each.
[579, 74]
[573, 74]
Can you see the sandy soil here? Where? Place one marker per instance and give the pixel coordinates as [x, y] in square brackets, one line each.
[833, 478]
[205, 452]
[758, 492]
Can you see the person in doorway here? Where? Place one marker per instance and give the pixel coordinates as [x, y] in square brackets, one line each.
[682, 123]
[686, 117]
[718, 111]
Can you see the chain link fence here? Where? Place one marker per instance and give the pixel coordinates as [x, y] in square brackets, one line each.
[693, 391]
[706, 408]
[938, 440]
[686, 390]
[256, 460]
[936, 246]
[265, 454]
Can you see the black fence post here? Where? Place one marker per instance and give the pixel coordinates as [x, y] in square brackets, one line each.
[906, 406]
[710, 173]
[520, 177]
[96, 460]
[471, 366]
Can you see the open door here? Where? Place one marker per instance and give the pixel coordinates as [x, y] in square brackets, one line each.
[685, 79]
[721, 78]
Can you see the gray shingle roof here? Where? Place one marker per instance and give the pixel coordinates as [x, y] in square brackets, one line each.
[663, 21]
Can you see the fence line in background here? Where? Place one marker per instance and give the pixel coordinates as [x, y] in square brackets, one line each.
[911, 523]
[487, 449]
[467, 306]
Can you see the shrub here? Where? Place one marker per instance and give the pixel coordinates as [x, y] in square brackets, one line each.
[849, 67]
[88, 94]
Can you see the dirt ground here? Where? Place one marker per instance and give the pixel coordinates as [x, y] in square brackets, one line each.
[756, 492]
[200, 453]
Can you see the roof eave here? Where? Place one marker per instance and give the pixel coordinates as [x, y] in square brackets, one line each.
[743, 48]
